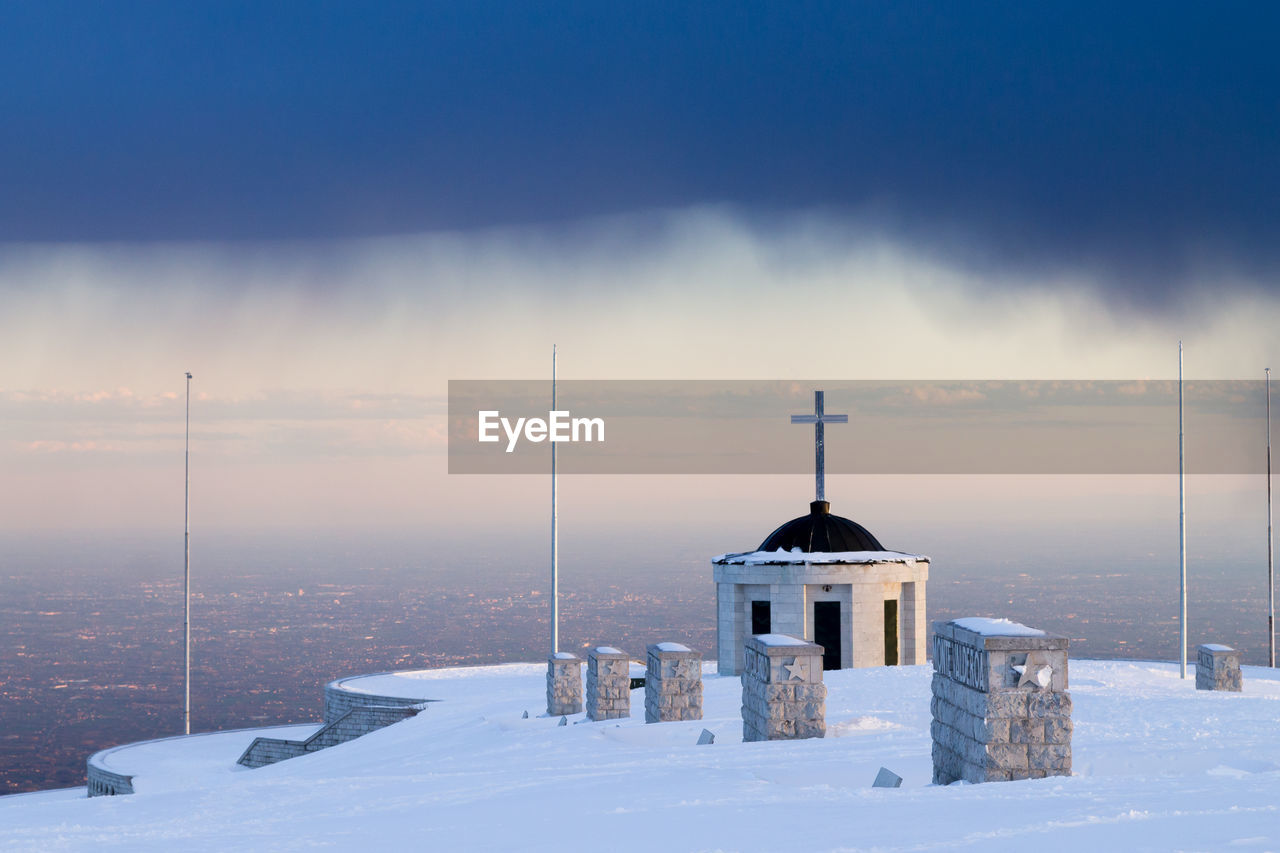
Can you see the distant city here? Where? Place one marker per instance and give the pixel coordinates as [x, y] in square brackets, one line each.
[92, 633]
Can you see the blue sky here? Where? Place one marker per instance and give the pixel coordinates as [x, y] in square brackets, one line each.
[1138, 140]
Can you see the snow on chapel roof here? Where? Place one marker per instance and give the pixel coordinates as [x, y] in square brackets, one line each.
[798, 557]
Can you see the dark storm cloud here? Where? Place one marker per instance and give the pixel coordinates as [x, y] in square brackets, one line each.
[1138, 140]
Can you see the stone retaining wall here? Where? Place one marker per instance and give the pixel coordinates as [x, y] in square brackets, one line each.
[104, 783]
[269, 750]
[355, 723]
[338, 701]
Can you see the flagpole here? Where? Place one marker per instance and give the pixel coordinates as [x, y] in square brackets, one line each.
[555, 528]
[1182, 525]
[1271, 550]
[186, 572]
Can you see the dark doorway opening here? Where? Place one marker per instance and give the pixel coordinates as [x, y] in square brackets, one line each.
[826, 631]
[891, 632]
[761, 623]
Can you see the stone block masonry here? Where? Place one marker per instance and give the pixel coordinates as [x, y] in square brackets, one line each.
[355, 723]
[1218, 668]
[340, 700]
[564, 684]
[783, 697]
[672, 684]
[1001, 710]
[608, 684]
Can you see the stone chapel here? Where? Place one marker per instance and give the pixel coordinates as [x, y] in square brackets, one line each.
[827, 579]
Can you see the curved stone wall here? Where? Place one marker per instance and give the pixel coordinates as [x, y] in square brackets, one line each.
[339, 700]
[104, 783]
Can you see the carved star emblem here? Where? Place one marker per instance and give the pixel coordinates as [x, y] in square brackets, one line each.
[686, 668]
[1036, 671]
[618, 667]
[797, 669]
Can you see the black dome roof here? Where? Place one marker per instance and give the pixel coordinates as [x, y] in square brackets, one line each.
[822, 532]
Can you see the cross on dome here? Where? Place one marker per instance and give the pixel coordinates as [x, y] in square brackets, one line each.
[819, 419]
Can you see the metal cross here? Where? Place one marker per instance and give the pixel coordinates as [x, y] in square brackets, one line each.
[818, 419]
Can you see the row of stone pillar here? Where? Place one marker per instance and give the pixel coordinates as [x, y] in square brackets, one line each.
[1001, 709]
[672, 684]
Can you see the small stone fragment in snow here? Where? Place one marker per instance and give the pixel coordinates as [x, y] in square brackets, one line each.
[706, 737]
[564, 721]
[525, 715]
[886, 778]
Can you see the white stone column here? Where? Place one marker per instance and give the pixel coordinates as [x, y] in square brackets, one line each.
[728, 626]
[783, 697]
[911, 624]
[608, 684]
[1001, 710]
[787, 609]
[564, 684]
[672, 684]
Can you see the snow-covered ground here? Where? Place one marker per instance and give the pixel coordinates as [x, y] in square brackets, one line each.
[1158, 766]
[177, 762]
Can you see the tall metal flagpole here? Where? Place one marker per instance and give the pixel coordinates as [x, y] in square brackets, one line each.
[1182, 526]
[555, 528]
[186, 572]
[1271, 550]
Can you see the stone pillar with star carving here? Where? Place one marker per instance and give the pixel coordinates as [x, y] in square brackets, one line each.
[564, 684]
[783, 697]
[1001, 710]
[608, 684]
[672, 684]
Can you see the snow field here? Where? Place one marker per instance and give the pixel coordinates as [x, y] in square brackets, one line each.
[1159, 766]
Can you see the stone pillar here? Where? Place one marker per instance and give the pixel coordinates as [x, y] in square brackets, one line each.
[1218, 668]
[564, 684]
[672, 684]
[608, 684]
[783, 697]
[1000, 706]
